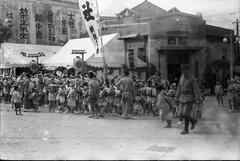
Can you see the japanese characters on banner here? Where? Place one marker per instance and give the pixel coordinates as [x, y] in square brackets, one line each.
[51, 27]
[64, 26]
[39, 26]
[23, 17]
[89, 14]
[71, 21]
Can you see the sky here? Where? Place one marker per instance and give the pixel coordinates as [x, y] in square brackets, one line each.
[216, 12]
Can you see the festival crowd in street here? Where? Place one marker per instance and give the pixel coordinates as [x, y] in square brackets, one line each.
[127, 97]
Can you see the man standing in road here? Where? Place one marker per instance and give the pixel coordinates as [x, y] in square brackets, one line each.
[26, 92]
[187, 94]
[94, 89]
[127, 87]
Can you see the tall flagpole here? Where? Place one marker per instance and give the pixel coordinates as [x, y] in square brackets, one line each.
[102, 49]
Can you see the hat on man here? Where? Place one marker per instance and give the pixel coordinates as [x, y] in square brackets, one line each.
[185, 66]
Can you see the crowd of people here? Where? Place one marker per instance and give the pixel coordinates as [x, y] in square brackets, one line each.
[122, 96]
[70, 95]
[232, 93]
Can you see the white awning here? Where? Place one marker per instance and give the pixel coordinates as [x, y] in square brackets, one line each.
[20, 55]
[64, 56]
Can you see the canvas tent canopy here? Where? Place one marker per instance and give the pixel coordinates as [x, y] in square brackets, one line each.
[64, 56]
[20, 55]
[114, 53]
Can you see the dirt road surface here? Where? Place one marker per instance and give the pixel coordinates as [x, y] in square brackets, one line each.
[70, 136]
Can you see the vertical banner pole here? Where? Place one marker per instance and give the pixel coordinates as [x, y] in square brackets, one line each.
[102, 48]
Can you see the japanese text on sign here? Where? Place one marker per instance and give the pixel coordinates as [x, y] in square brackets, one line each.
[64, 26]
[38, 19]
[51, 27]
[89, 15]
[71, 21]
[23, 17]
[87, 12]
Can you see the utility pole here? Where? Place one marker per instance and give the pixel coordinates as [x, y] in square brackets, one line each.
[237, 26]
[237, 34]
[231, 57]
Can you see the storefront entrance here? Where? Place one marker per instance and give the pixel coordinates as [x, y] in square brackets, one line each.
[174, 61]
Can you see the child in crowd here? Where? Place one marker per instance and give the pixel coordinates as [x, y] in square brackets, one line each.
[219, 94]
[79, 98]
[165, 111]
[109, 98]
[62, 96]
[117, 101]
[10, 95]
[172, 101]
[149, 97]
[104, 94]
[16, 100]
[143, 97]
[101, 99]
[84, 102]
[71, 99]
[57, 103]
[1, 91]
[35, 99]
[137, 102]
[52, 97]
[154, 99]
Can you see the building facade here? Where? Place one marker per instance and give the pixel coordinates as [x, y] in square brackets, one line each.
[163, 39]
[168, 39]
[45, 22]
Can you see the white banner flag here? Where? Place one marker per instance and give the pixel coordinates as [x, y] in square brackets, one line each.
[89, 14]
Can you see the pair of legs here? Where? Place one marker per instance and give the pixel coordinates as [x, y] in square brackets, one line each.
[185, 113]
[76, 108]
[166, 115]
[18, 108]
[94, 111]
[51, 105]
[93, 106]
[126, 103]
[108, 108]
[6, 97]
[219, 99]
[150, 108]
[233, 104]
[61, 106]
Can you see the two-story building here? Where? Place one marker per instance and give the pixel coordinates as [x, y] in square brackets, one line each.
[44, 22]
[167, 39]
[163, 39]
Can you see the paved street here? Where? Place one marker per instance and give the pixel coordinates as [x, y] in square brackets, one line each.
[61, 136]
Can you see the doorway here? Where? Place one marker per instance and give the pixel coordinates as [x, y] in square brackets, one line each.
[174, 61]
[174, 72]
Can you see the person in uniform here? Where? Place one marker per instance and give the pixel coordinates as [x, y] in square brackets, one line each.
[127, 87]
[187, 94]
[26, 92]
[94, 89]
[219, 93]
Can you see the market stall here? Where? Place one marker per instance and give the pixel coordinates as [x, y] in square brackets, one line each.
[65, 56]
[15, 56]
